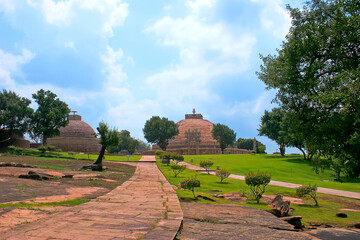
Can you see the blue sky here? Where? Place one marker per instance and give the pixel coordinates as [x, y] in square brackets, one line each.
[124, 61]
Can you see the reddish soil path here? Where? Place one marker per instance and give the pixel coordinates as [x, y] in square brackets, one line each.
[330, 191]
[144, 207]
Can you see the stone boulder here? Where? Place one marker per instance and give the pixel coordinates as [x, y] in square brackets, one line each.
[37, 176]
[280, 207]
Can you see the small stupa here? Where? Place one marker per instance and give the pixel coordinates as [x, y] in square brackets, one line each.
[77, 136]
[195, 137]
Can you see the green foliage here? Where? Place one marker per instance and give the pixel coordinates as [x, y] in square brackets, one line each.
[222, 174]
[15, 150]
[317, 78]
[248, 144]
[257, 183]
[51, 114]
[206, 164]
[159, 131]
[126, 143]
[15, 113]
[177, 169]
[224, 135]
[142, 146]
[42, 149]
[108, 137]
[308, 190]
[177, 157]
[190, 184]
[159, 153]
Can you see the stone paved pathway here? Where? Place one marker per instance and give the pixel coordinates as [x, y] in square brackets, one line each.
[330, 191]
[144, 207]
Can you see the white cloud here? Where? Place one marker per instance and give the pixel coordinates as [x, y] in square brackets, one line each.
[7, 5]
[10, 64]
[206, 51]
[199, 6]
[274, 17]
[115, 77]
[57, 13]
[61, 13]
[69, 44]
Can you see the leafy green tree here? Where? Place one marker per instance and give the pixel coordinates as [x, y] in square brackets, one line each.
[224, 135]
[51, 114]
[257, 183]
[222, 174]
[317, 77]
[126, 143]
[177, 169]
[108, 137]
[190, 184]
[143, 146]
[248, 144]
[308, 190]
[206, 164]
[271, 126]
[159, 131]
[15, 114]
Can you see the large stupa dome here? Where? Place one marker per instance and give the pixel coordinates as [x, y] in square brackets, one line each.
[195, 137]
[77, 136]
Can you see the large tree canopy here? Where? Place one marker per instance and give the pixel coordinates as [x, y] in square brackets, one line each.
[126, 143]
[317, 75]
[160, 131]
[108, 137]
[224, 135]
[51, 114]
[15, 113]
[248, 144]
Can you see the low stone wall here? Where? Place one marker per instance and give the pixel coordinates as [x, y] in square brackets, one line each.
[84, 145]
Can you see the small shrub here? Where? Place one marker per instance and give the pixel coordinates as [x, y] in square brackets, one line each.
[15, 150]
[177, 168]
[257, 183]
[71, 154]
[222, 174]
[178, 158]
[51, 148]
[206, 164]
[190, 184]
[159, 153]
[308, 190]
[42, 149]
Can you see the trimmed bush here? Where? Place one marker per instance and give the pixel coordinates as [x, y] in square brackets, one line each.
[257, 183]
[159, 153]
[308, 190]
[190, 184]
[177, 169]
[15, 150]
[206, 164]
[42, 149]
[222, 174]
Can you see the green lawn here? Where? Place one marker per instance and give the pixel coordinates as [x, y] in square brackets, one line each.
[290, 168]
[324, 214]
[70, 155]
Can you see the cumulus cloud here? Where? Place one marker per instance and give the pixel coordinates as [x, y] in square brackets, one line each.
[206, 51]
[61, 13]
[10, 64]
[274, 17]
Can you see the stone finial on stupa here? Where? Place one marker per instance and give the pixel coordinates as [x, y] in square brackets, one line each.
[194, 115]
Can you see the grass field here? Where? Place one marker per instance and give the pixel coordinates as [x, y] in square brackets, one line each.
[78, 156]
[290, 168]
[324, 214]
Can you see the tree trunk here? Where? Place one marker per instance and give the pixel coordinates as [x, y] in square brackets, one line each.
[282, 149]
[101, 156]
[44, 142]
[303, 152]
